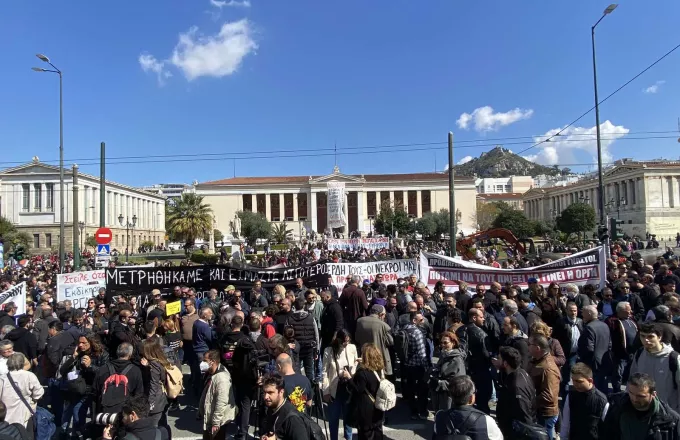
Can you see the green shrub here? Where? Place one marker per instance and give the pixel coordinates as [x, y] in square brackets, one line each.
[202, 258]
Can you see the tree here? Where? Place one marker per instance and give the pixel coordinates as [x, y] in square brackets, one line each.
[281, 234]
[389, 220]
[148, 244]
[11, 237]
[254, 226]
[218, 235]
[433, 225]
[486, 214]
[188, 219]
[90, 242]
[516, 222]
[577, 218]
[543, 228]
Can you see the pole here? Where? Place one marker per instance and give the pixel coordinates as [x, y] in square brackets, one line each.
[76, 226]
[600, 174]
[102, 186]
[127, 240]
[62, 227]
[452, 199]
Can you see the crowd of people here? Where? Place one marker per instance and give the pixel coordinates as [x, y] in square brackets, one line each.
[504, 362]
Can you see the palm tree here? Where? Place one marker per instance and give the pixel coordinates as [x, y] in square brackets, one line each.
[281, 234]
[188, 219]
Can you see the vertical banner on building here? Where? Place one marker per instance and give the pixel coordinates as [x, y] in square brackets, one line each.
[336, 205]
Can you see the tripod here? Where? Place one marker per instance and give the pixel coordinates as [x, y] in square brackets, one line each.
[255, 405]
[319, 397]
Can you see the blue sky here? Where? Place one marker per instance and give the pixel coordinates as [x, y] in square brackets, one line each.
[169, 78]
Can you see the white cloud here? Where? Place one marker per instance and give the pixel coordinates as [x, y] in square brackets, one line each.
[149, 63]
[216, 55]
[485, 119]
[222, 3]
[465, 160]
[654, 88]
[562, 148]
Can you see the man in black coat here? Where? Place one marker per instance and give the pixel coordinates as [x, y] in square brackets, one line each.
[479, 359]
[594, 346]
[670, 333]
[7, 315]
[515, 391]
[24, 341]
[568, 331]
[331, 319]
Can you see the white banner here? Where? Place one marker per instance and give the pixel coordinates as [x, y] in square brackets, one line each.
[391, 270]
[336, 205]
[353, 244]
[585, 267]
[17, 295]
[78, 287]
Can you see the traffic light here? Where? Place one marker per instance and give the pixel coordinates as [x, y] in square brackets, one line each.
[615, 228]
[602, 233]
[18, 253]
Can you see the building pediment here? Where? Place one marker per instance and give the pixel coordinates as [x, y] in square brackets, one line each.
[533, 192]
[30, 169]
[620, 170]
[336, 176]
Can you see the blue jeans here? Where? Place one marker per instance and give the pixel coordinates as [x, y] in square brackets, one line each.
[56, 398]
[77, 410]
[621, 372]
[337, 409]
[307, 362]
[549, 424]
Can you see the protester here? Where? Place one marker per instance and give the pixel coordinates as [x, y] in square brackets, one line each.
[217, 406]
[585, 406]
[340, 356]
[17, 384]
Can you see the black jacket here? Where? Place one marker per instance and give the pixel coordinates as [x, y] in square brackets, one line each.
[331, 321]
[594, 344]
[650, 296]
[516, 400]
[143, 429]
[670, 333]
[121, 333]
[280, 319]
[88, 373]
[562, 332]
[664, 424]
[521, 344]
[306, 332]
[522, 323]
[6, 319]
[24, 342]
[135, 385]
[62, 344]
[40, 328]
[531, 316]
[466, 419]
[478, 347]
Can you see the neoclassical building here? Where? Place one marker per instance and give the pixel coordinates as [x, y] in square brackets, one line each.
[302, 201]
[29, 198]
[645, 195]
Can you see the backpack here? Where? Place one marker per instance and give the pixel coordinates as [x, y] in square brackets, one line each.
[131, 436]
[386, 397]
[267, 324]
[313, 429]
[672, 364]
[174, 382]
[228, 348]
[400, 346]
[115, 389]
[459, 432]
[243, 362]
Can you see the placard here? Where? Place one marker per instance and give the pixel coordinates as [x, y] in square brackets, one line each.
[16, 294]
[78, 287]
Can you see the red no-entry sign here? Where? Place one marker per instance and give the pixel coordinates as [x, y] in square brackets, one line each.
[103, 236]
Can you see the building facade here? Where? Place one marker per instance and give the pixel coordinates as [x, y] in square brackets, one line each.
[644, 195]
[29, 198]
[302, 201]
[504, 185]
[515, 200]
[170, 190]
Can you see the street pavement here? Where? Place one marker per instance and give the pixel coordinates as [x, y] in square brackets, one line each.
[399, 425]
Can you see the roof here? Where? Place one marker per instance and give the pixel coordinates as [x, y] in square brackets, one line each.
[500, 196]
[410, 177]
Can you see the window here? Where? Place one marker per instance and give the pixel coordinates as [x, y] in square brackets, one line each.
[413, 203]
[248, 202]
[275, 207]
[48, 240]
[36, 241]
[288, 206]
[261, 200]
[26, 193]
[49, 203]
[425, 201]
[302, 206]
[370, 204]
[37, 197]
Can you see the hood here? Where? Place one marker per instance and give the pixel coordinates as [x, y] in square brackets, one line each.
[456, 352]
[666, 350]
[119, 364]
[17, 334]
[232, 336]
[267, 319]
[519, 335]
[299, 315]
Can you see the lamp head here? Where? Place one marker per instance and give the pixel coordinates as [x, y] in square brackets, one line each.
[134, 219]
[610, 8]
[38, 69]
[42, 57]
[120, 219]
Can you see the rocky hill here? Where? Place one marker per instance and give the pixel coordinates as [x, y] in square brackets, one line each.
[501, 162]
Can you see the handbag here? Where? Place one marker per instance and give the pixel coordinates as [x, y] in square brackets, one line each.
[43, 420]
[525, 431]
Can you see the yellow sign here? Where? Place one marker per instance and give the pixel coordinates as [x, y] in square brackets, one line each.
[173, 308]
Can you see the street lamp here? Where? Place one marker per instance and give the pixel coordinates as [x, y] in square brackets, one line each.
[606, 12]
[585, 201]
[62, 235]
[125, 222]
[81, 226]
[370, 224]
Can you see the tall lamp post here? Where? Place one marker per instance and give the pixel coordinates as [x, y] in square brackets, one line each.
[585, 201]
[601, 195]
[81, 226]
[128, 225]
[62, 235]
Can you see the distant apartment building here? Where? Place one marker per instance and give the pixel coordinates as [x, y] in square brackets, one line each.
[512, 199]
[169, 190]
[504, 185]
[545, 181]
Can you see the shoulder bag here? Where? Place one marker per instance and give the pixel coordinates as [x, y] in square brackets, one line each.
[43, 420]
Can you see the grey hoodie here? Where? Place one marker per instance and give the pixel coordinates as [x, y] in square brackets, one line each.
[657, 365]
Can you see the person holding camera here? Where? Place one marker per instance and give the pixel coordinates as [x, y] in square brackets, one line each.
[340, 356]
[136, 423]
[217, 406]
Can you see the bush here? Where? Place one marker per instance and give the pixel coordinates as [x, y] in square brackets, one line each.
[201, 258]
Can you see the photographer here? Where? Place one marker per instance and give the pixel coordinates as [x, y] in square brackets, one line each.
[136, 423]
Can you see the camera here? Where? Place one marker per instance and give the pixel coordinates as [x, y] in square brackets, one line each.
[105, 419]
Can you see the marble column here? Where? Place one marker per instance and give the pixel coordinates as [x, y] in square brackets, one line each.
[312, 210]
[360, 210]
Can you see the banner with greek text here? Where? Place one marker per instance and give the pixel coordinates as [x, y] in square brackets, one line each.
[78, 287]
[17, 295]
[353, 244]
[391, 270]
[336, 205]
[585, 267]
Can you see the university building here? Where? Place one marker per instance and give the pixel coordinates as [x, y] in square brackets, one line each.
[302, 201]
[29, 198]
[644, 194]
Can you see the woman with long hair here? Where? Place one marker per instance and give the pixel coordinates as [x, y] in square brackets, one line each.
[100, 322]
[79, 371]
[364, 386]
[451, 363]
[154, 376]
[340, 356]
